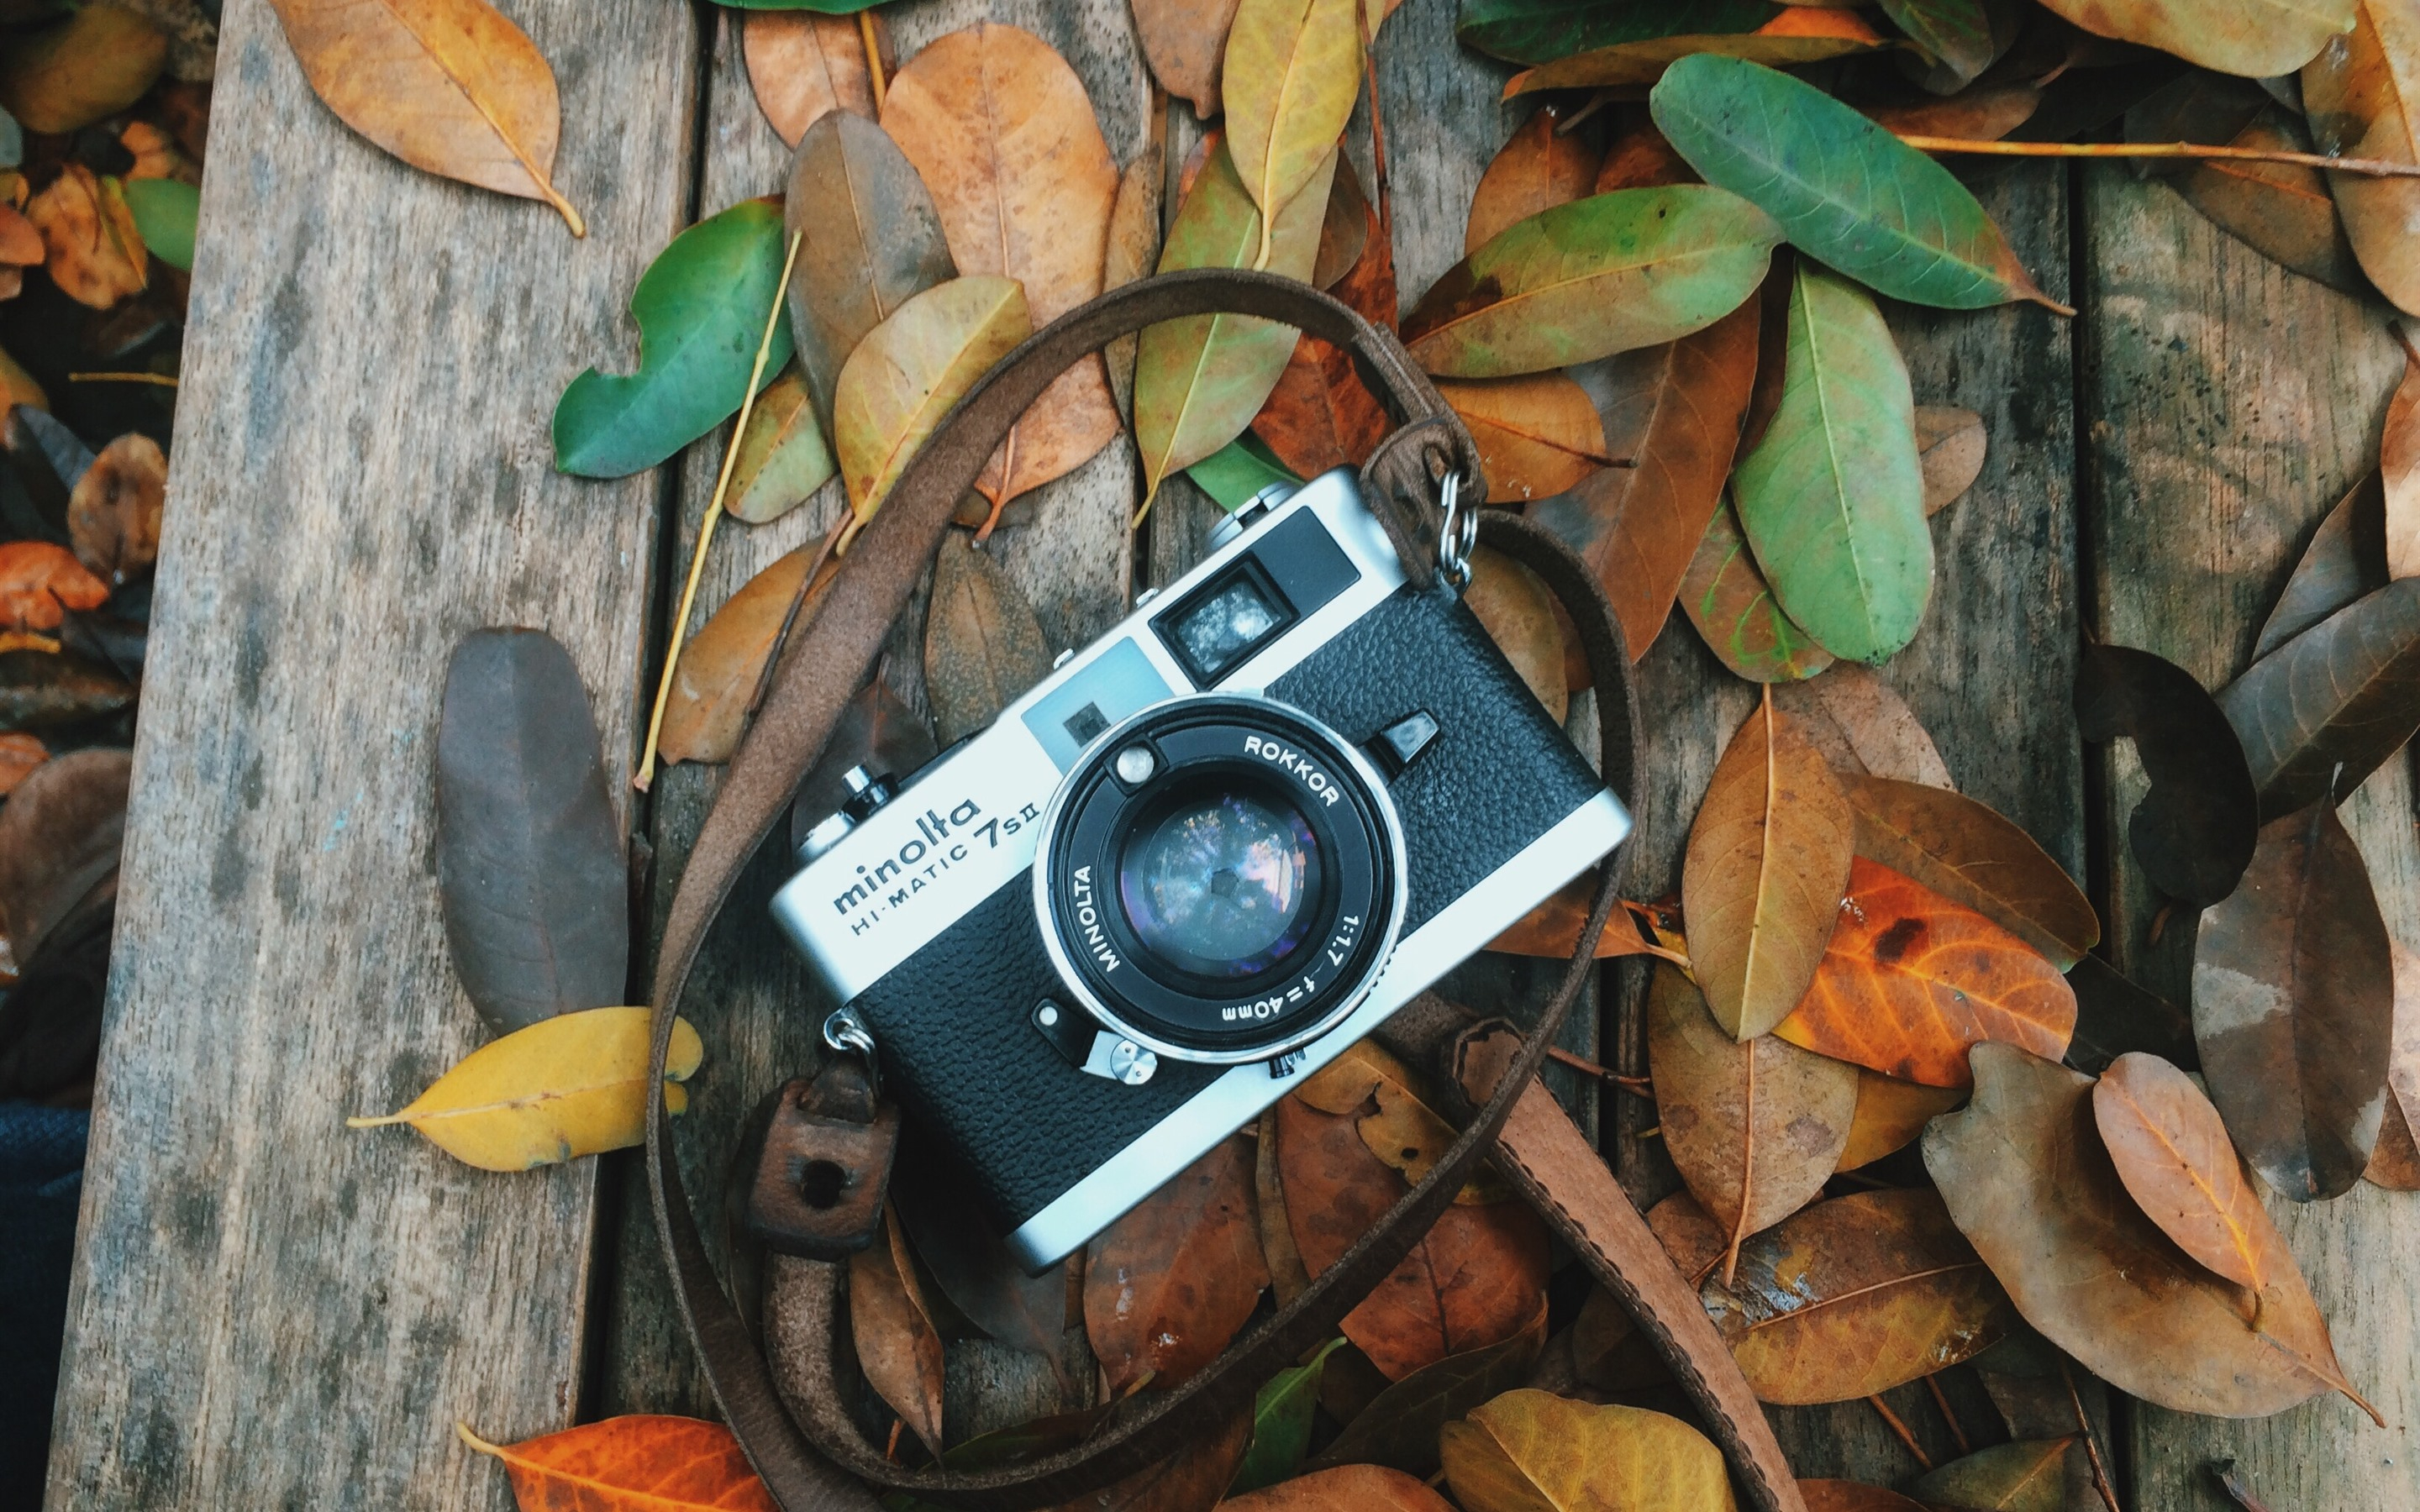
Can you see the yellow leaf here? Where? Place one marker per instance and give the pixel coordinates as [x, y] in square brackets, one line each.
[1292, 75]
[571, 1085]
[910, 370]
[1532, 1451]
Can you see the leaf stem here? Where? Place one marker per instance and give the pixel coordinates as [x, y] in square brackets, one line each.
[162, 380]
[2091, 1448]
[873, 57]
[1941, 1399]
[1901, 1428]
[713, 511]
[2373, 167]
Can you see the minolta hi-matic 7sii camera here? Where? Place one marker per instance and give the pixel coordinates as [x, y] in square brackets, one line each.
[1207, 854]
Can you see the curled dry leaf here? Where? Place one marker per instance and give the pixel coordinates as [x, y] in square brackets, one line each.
[1600, 276]
[983, 646]
[1403, 1131]
[999, 129]
[2256, 38]
[1973, 857]
[1637, 65]
[1538, 435]
[532, 867]
[1291, 71]
[1320, 414]
[39, 582]
[2293, 1004]
[1169, 1284]
[669, 1464]
[1853, 1296]
[2030, 1185]
[59, 834]
[18, 755]
[1755, 1129]
[2194, 829]
[1358, 1487]
[908, 372]
[1693, 1242]
[2025, 1475]
[1862, 728]
[723, 663]
[114, 509]
[2358, 93]
[450, 87]
[1518, 611]
[1553, 928]
[2324, 711]
[1399, 1426]
[569, 1085]
[1184, 41]
[1890, 1114]
[82, 69]
[802, 65]
[1540, 168]
[1529, 1449]
[1760, 885]
[780, 459]
[41, 689]
[95, 253]
[1949, 445]
[1911, 981]
[897, 1346]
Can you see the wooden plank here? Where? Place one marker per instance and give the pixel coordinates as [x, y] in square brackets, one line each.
[270, 1310]
[2232, 404]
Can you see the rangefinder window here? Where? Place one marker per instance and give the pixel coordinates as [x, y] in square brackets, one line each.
[1226, 623]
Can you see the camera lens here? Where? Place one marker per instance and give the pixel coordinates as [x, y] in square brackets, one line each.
[1221, 881]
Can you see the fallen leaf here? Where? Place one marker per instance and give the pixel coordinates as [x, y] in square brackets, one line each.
[1853, 1296]
[1950, 444]
[114, 509]
[532, 864]
[2398, 467]
[897, 1346]
[802, 65]
[2030, 1186]
[1847, 1496]
[2027, 1476]
[999, 129]
[1955, 35]
[1283, 1414]
[1911, 981]
[1183, 40]
[1023, 1443]
[1600, 276]
[1240, 472]
[1732, 604]
[1760, 884]
[450, 87]
[1344, 1488]
[41, 689]
[1674, 409]
[1862, 728]
[971, 1265]
[2114, 1015]
[1832, 496]
[2193, 832]
[2256, 38]
[1976, 859]
[59, 835]
[869, 241]
[666, 1464]
[2398, 1151]
[1982, 113]
[1531, 1450]
[700, 308]
[780, 459]
[572, 1084]
[1890, 1114]
[1169, 1283]
[1320, 414]
[1518, 613]
[910, 370]
[95, 253]
[723, 663]
[983, 647]
[39, 582]
[2293, 1002]
[2358, 98]
[163, 211]
[1640, 158]
[1405, 1132]
[1693, 1242]
[18, 755]
[1540, 168]
[1538, 435]
[1133, 249]
[2282, 210]
[1345, 232]
[1292, 72]
[1640, 64]
[1754, 1129]
[1541, 31]
[1190, 1480]
[2321, 712]
[1399, 1428]
[82, 69]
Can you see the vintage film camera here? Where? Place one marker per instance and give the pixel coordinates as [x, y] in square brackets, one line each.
[1203, 858]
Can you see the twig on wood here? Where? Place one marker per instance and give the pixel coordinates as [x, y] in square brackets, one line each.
[1941, 1399]
[1901, 1428]
[2091, 1446]
[2372, 167]
[162, 380]
[873, 57]
[713, 513]
[2223, 1470]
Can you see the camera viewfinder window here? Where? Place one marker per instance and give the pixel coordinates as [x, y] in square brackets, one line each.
[1227, 626]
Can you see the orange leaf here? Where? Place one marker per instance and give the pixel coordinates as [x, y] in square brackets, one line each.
[630, 1464]
[19, 753]
[1911, 979]
[1537, 170]
[1538, 433]
[1819, 20]
[1321, 415]
[96, 255]
[1168, 1284]
[1344, 1489]
[38, 582]
[802, 65]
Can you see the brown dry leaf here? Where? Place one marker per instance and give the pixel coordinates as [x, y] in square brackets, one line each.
[2030, 1185]
[2359, 96]
[1642, 158]
[2398, 467]
[156, 155]
[1890, 1114]
[1169, 1284]
[1518, 611]
[59, 834]
[724, 662]
[802, 65]
[1190, 1480]
[896, 1344]
[1404, 1130]
[1949, 445]
[999, 129]
[1538, 435]
[1345, 232]
[1973, 857]
[96, 255]
[1755, 1129]
[1531, 1450]
[1861, 727]
[1849, 1496]
[1675, 411]
[450, 87]
[114, 510]
[1553, 928]
[2395, 1162]
[1854, 1296]
[39, 582]
[1184, 41]
[1344, 1488]
[1768, 858]
[1132, 251]
[1537, 170]
[19, 753]
[2256, 38]
[21, 247]
[983, 646]
[82, 69]
[1695, 1241]
[1287, 1275]
[1321, 415]
[1979, 115]
[1911, 979]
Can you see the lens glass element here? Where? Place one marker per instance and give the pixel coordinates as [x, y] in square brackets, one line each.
[1220, 882]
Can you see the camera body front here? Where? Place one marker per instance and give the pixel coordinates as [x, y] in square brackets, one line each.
[1206, 854]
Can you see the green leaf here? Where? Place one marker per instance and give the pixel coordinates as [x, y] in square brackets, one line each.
[1832, 496]
[1844, 189]
[1591, 278]
[1541, 31]
[1282, 1424]
[164, 217]
[1636, 65]
[1955, 34]
[701, 308]
[1199, 380]
[1727, 598]
[1237, 471]
[780, 457]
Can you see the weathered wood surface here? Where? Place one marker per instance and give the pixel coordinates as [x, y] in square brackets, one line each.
[270, 1310]
[2231, 405]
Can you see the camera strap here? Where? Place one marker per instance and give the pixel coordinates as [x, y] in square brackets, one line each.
[1539, 1148]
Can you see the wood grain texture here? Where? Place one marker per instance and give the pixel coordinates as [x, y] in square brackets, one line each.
[2234, 403]
[270, 1311]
